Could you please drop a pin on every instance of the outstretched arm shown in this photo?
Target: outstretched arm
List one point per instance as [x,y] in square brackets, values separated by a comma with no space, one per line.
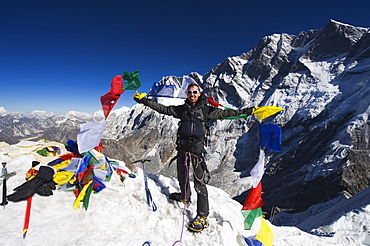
[217,113]
[160,108]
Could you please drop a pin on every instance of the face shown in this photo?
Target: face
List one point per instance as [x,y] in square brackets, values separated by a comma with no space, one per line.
[192,97]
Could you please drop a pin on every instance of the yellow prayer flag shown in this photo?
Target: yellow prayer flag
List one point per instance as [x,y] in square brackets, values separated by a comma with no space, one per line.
[62,177]
[265,234]
[81,195]
[61,165]
[265,111]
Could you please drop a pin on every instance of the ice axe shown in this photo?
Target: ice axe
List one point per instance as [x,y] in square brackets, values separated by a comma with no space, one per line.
[4,177]
[149,198]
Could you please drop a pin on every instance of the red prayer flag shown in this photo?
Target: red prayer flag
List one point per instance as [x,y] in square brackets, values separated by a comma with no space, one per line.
[110,99]
[213,103]
[68,156]
[117,85]
[254,199]
[100,147]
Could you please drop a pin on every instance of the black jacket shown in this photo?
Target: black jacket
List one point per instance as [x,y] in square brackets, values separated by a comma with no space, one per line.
[193,119]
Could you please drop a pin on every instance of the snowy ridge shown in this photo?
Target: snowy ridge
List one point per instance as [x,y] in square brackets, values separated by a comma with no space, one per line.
[324,89]
[119,215]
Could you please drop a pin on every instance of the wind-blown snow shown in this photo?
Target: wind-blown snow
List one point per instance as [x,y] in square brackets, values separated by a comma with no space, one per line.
[119,215]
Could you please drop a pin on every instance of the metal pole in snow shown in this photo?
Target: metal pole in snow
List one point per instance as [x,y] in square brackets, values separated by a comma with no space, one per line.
[149,199]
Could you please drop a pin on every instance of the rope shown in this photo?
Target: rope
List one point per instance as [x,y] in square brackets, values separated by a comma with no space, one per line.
[195,162]
[183,210]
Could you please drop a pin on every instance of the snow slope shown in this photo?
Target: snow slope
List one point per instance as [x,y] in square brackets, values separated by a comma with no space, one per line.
[119,215]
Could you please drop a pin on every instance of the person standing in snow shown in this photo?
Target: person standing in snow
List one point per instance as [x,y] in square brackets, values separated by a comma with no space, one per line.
[191,138]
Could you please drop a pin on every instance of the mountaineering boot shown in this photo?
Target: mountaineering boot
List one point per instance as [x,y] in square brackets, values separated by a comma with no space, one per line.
[179,197]
[198,224]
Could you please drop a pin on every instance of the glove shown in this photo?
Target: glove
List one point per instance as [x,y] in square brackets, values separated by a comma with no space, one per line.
[140,97]
[46,189]
[248,111]
[29,188]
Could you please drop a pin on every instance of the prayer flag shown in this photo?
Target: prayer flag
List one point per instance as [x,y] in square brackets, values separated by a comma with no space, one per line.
[110,99]
[162,91]
[132,80]
[116,85]
[252,241]
[250,216]
[258,169]
[242,116]
[90,135]
[217,105]
[270,136]
[265,234]
[265,111]
[81,195]
[213,103]
[254,199]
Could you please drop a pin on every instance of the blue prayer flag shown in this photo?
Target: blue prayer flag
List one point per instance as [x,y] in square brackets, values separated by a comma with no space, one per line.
[162,91]
[270,136]
[251,241]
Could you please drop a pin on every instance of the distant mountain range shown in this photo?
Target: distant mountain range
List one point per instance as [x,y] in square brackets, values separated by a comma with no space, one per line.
[321,79]
[16,126]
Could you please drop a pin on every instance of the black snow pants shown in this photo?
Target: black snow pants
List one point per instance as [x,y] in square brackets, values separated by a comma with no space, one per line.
[185,161]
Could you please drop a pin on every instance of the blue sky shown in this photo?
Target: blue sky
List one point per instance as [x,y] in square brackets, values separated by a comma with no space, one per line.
[60,56]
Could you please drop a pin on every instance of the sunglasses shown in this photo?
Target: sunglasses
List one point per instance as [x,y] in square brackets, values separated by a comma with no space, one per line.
[193,92]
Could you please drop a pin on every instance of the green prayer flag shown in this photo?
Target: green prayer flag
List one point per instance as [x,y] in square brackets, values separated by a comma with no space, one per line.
[86,198]
[250,216]
[132,80]
[242,116]
[93,160]
[43,152]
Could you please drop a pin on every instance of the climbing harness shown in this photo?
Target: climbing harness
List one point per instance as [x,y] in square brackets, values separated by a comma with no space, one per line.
[195,161]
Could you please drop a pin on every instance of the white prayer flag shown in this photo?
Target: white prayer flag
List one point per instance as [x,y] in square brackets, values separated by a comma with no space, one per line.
[258,169]
[90,135]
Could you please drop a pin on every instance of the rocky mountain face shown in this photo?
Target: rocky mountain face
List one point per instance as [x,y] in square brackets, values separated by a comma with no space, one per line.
[321,79]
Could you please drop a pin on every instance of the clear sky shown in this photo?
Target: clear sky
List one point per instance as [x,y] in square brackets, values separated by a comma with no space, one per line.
[61,55]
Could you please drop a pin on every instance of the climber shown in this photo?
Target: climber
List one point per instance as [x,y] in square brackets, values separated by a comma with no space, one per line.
[191,137]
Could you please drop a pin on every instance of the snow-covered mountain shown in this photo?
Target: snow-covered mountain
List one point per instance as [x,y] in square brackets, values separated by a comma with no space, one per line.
[17,126]
[321,79]
[119,215]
